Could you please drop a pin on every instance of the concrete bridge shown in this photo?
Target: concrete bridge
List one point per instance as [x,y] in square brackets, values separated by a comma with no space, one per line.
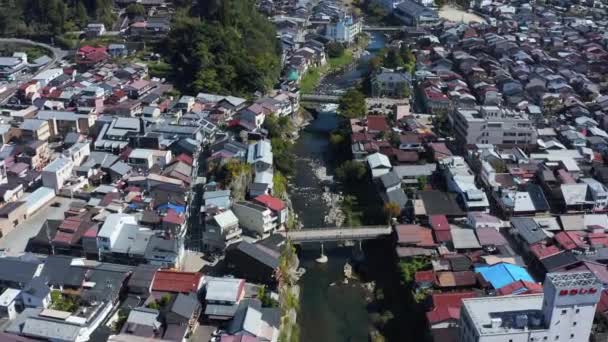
[382,28]
[333,234]
[320,98]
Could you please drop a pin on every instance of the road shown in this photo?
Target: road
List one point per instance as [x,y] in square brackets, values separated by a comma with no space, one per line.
[58,54]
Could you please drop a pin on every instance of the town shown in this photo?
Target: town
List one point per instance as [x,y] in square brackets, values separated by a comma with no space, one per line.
[303,170]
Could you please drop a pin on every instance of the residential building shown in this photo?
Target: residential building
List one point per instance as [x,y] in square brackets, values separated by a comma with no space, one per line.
[11,215]
[391,83]
[222,297]
[11,67]
[412,13]
[564,311]
[255,218]
[221,231]
[343,29]
[493,125]
[57,173]
[461,180]
[35,129]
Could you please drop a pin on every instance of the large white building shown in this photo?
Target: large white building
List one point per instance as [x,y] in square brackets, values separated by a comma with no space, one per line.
[492,125]
[563,312]
[343,29]
[56,173]
[255,218]
[461,180]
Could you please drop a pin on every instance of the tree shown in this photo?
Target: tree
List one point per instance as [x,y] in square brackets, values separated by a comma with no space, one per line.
[135,10]
[352,104]
[393,59]
[392,210]
[230,49]
[351,172]
[422,182]
[334,49]
[439,3]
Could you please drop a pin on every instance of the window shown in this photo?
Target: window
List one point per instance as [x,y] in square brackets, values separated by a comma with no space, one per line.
[564,311]
[556,337]
[545,338]
[578,310]
[573,324]
[571,336]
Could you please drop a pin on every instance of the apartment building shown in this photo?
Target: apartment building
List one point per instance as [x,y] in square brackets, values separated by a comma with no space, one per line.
[255,218]
[492,125]
[344,29]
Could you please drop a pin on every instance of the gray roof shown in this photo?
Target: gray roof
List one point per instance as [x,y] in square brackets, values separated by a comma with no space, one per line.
[414,170]
[58,272]
[223,289]
[415,9]
[185,305]
[220,310]
[144,316]
[50,329]
[260,253]
[37,287]
[121,168]
[142,276]
[464,238]
[528,229]
[397,196]
[18,270]
[390,179]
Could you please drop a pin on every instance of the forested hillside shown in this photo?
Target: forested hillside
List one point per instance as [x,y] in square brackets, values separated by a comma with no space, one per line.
[45,18]
[224,47]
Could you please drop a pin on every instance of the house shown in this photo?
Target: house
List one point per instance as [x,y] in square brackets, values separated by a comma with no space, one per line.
[461,180]
[390,83]
[252,320]
[176,281]
[36,294]
[464,239]
[222,297]
[89,56]
[379,164]
[445,314]
[95,30]
[276,205]
[255,218]
[221,231]
[57,173]
[256,262]
[412,13]
[11,215]
[35,129]
[503,274]
[8,303]
[411,174]
[143,322]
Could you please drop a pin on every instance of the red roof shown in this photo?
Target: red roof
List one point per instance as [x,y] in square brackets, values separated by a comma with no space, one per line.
[569,240]
[175,281]
[185,158]
[270,202]
[413,234]
[424,276]
[602,306]
[439,222]
[377,123]
[443,236]
[541,251]
[173,217]
[447,306]
[520,287]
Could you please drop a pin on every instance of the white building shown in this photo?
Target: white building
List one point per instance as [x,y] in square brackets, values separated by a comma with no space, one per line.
[56,173]
[109,233]
[255,218]
[221,231]
[78,152]
[598,191]
[564,312]
[461,180]
[8,301]
[492,125]
[344,29]
[47,76]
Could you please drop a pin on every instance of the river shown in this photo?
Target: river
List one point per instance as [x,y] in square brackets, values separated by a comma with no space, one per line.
[330,310]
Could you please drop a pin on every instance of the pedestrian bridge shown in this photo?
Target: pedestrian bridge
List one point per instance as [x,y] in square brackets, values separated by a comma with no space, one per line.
[337,234]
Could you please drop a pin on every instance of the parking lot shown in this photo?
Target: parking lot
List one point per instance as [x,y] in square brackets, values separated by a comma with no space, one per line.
[16,241]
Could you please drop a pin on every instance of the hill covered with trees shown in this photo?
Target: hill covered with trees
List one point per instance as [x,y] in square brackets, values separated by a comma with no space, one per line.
[50,18]
[223,46]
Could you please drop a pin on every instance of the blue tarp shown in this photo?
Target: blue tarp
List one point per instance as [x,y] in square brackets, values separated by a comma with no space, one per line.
[503,274]
[178,208]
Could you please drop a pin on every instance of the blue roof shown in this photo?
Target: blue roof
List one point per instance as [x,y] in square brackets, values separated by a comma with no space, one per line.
[503,274]
[178,208]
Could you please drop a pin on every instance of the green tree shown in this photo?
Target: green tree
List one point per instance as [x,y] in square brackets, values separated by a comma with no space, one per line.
[135,10]
[351,172]
[393,59]
[352,104]
[422,182]
[334,49]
